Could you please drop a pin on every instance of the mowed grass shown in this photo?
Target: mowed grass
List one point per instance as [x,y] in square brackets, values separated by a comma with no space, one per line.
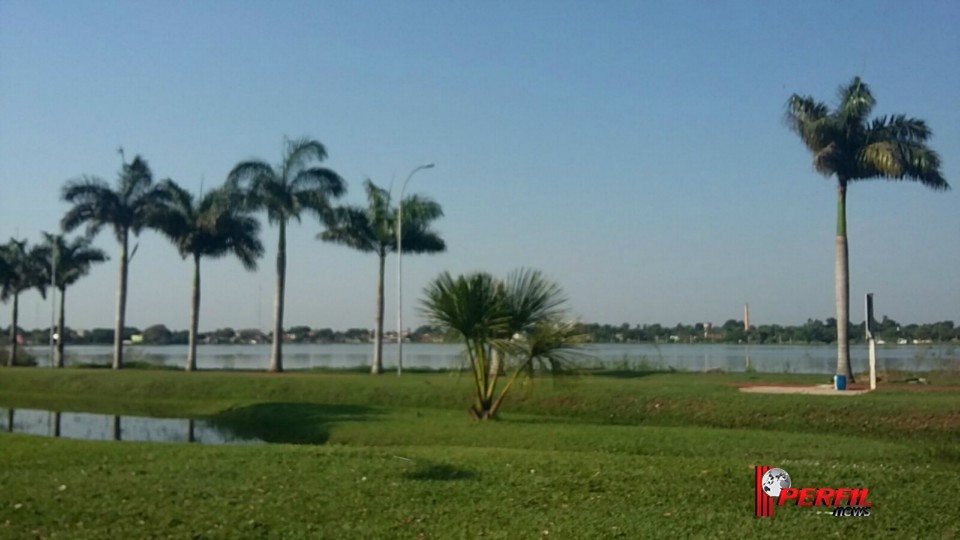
[658,455]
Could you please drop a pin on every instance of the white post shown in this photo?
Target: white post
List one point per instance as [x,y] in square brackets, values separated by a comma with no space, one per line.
[871,342]
[400,282]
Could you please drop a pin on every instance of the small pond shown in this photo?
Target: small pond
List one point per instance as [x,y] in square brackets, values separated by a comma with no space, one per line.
[107,427]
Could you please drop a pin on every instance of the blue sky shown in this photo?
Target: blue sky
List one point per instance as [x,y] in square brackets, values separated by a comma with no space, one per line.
[634,151]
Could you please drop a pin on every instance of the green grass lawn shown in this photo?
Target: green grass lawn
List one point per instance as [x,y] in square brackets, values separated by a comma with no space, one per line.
[649,455]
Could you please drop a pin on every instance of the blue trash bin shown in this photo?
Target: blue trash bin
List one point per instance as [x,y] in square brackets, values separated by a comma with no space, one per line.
[840,382]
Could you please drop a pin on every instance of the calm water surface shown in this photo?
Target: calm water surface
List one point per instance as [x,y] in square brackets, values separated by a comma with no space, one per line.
[701,357]
[104,427]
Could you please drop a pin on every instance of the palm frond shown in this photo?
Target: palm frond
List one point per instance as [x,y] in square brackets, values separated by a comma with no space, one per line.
[230,233]
[176,219]
[317,201]
[351,227]
[418,237]
[380,215]
[6,274]
[418,208]
[214,226]
[319,179]
[901,161]
[25,268]
[531,298]
[811,121]
[147,208]
[299,154]
[277,199]
[418,241]
[179,198]
[471,306]
[552,344]
[898,127]
[13,254]
[856,102]
[135,178]
[247,179]
[94,203]
[73,259]
[244,239]
[37,271]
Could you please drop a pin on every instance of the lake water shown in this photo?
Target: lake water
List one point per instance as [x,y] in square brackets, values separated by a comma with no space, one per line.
[102,427]
[688,357]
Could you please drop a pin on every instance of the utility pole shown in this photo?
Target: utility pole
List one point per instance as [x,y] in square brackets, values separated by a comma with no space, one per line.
[54,336]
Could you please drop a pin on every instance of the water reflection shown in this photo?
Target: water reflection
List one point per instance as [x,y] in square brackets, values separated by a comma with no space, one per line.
[103,427]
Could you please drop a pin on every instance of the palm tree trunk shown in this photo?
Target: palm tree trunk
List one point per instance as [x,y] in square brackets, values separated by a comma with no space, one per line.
[503,393]
[121,303]
[61,326]
[194,315]
[13,329]
[377,366]
[276,356]
[842,283]
[495,366]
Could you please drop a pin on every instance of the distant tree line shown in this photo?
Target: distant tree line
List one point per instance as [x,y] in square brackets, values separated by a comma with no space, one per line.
[159,334]
[733,331]
[814,331]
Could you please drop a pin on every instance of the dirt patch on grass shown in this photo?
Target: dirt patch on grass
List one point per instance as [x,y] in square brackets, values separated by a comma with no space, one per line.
[857,388]
[818,390]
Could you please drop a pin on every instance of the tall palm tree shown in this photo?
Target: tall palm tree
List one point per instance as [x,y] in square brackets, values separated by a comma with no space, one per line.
[373,230]
[520,320]
[71,261]
[285,191]
[213,226]
[128,209]
[848,145]
[24,269]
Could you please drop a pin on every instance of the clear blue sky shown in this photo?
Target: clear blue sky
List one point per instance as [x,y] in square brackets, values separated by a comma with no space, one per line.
[635,151]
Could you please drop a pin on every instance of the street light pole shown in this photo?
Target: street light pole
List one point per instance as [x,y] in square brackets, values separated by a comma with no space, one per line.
[53,304]
[399,228]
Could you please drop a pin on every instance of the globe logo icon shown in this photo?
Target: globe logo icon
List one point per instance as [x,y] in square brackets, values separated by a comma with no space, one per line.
[774,480]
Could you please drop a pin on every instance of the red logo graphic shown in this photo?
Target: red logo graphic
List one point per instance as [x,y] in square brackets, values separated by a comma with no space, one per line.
[774,482]
[764,502]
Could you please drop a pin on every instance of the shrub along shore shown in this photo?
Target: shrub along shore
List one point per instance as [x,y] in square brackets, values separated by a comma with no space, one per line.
[634,455]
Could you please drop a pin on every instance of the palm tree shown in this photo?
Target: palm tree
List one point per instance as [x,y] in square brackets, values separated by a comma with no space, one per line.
[128,208]
[846,144]
[373,230]
[286,191]
[71,261]
[23,269]
[520,320]
[214,226]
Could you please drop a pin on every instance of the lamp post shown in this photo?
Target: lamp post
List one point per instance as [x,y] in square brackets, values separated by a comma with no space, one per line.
[53,304]
[400,267]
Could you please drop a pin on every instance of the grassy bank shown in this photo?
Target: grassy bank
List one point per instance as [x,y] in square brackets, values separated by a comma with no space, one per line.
[649,455]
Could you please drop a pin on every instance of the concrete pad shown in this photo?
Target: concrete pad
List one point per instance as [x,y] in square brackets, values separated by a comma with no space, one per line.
[818,390]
